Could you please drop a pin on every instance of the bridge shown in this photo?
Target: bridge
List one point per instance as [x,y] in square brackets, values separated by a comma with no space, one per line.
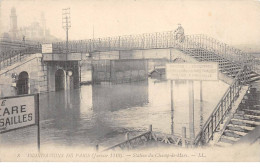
[194,47]
[30,71]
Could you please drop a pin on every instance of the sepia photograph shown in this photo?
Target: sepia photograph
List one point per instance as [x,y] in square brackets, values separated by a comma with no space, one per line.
[129,81]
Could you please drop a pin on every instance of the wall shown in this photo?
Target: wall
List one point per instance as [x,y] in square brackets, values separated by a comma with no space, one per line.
[41,75]
[141,54]
[105,55]
[119,71]
[53,66]
[129,70]
[35,69]
[101,71]
[63,57]
[154,55]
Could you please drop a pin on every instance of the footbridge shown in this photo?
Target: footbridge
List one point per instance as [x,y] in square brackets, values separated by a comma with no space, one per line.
[237,68]
[199,47]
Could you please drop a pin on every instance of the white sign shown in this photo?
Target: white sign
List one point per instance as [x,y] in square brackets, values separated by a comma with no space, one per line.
[192,71]
[17,112]
[46,48]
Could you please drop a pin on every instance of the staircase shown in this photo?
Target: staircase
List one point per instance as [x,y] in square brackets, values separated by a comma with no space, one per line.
[245,119]
[244,70]
[11,57]
[226,66]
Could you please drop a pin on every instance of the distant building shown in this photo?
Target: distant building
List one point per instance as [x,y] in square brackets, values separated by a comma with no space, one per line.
[36,31]
[13,23]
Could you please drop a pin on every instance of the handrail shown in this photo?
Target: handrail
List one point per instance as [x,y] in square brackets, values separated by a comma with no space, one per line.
[222,108]
[150,135]
[1,73]
[146,134]
[160,40]
[226,51]
[11,57]
[163,40]
[27,41]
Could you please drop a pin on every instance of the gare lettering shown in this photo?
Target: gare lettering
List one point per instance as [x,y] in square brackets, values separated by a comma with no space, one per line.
[17,112]
[3,103]
[12,120]
[8,115]
[14,110]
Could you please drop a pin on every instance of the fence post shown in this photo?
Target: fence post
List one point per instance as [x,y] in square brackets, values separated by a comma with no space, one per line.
[212,126]
[10,58]
[230,96]
[151,128]
[127,139]
[97,147]
[221,111]
[156,40]
[234,92]
[127,136]
[203,138]
[183,136]
[119,43]
[1,59]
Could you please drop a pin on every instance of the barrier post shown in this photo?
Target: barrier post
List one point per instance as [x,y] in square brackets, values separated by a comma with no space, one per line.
[151,128]
[37,109]
[183,136]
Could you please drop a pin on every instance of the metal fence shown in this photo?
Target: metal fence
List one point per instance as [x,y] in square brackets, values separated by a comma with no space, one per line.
[159,41]
[11,57]
[222,108]
[149,136]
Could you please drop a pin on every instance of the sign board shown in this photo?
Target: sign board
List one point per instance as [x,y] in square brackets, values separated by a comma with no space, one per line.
[192,71]
[17,112]
[46,48]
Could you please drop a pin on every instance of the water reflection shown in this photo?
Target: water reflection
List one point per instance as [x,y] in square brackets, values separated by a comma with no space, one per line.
[63,107]
[115,97]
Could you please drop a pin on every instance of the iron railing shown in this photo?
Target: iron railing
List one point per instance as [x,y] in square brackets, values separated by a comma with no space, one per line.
[145,138]
[159,41]
[208,48]
[223,50]
[16,41]
[7,45]
[11,57]
[222,108]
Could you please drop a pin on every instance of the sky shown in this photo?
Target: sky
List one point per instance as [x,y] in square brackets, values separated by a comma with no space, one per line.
[235,22]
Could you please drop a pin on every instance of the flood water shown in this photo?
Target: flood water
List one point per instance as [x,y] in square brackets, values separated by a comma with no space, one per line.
[102,114]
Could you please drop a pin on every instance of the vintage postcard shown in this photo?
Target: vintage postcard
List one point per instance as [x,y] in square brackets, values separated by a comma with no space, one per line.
[132,80]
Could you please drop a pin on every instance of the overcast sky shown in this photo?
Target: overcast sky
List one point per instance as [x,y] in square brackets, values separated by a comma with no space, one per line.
[236,22]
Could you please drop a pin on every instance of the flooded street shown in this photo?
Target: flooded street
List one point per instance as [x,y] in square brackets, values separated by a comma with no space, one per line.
[102,114]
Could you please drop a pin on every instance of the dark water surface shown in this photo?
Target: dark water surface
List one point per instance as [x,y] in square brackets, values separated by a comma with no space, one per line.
[102,114]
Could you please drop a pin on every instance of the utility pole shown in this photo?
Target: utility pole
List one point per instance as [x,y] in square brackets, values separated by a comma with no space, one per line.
[66,24]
